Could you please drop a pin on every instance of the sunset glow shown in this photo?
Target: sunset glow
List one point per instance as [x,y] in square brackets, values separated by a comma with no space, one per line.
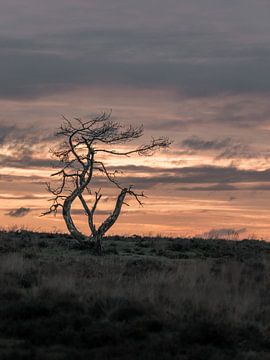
[201,80]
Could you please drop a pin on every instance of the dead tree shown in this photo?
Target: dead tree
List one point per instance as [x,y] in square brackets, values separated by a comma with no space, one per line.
[79,158]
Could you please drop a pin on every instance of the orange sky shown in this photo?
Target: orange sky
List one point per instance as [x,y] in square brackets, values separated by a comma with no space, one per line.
[191,188]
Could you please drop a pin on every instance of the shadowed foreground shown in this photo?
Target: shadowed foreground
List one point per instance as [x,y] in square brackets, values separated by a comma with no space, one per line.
[147,298]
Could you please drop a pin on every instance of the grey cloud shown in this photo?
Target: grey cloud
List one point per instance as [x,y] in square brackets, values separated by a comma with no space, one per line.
[97,212]
[226,187]
[27,161]
[34,179]
[242,113]
[237,112]
[231,149]
[138,169]
[259,187]
[21,141]
[198,178]
[238,151]
[11,135]
[219,16]
[20,197]
[197,143]
[168,125]
[201,174]
[224,177]
[215,174]
[196,63]
[242,151]
[135,43]
[217,187]
[33,76]
[20,212]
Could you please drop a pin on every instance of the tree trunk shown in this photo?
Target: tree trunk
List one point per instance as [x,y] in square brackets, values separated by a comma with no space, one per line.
[69,222]
[108,223]
[97,239]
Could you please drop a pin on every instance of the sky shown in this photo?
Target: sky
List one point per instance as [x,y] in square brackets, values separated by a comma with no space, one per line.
[197,71]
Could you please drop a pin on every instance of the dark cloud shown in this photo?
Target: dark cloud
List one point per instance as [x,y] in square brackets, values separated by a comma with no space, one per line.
[242,113]
[231,149]
[20,212]
[217,178]
[21,160]
[36,75]
[196,63]
[216,174]
[196,143]
[168,125]
[14,136]
[201,174]
[19,197]
[242,151]
[25,143]
[34,179]
[217,187]
[97,212]
[207,178]
[258,187]
[9,133]
[227,187]
[225,50]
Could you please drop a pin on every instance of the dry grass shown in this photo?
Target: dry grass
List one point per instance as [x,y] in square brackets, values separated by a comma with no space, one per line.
[60,303]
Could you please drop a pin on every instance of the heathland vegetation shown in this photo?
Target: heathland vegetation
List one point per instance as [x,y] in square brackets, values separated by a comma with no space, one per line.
[146,298]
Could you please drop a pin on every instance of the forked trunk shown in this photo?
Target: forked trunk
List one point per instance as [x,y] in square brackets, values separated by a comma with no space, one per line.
[94,241]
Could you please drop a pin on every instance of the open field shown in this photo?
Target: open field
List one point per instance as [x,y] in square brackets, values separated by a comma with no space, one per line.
[146,298]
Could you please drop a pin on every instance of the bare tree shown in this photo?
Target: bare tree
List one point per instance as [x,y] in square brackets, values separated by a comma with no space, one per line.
[81,155]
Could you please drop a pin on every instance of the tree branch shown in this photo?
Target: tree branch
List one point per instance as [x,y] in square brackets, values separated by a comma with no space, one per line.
[83,140]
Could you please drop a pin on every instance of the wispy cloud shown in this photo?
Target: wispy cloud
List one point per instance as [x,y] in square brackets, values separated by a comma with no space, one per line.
[20,212]
[196,143]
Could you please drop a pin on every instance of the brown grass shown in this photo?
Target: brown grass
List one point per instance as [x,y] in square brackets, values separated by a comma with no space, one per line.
[61,303]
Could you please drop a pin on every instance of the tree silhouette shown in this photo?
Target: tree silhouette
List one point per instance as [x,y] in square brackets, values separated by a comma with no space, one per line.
[81,155]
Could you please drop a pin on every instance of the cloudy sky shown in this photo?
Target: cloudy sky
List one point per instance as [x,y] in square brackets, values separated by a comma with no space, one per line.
[197,71]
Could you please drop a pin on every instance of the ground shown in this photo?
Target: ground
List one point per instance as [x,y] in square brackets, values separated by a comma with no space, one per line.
[146,298]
